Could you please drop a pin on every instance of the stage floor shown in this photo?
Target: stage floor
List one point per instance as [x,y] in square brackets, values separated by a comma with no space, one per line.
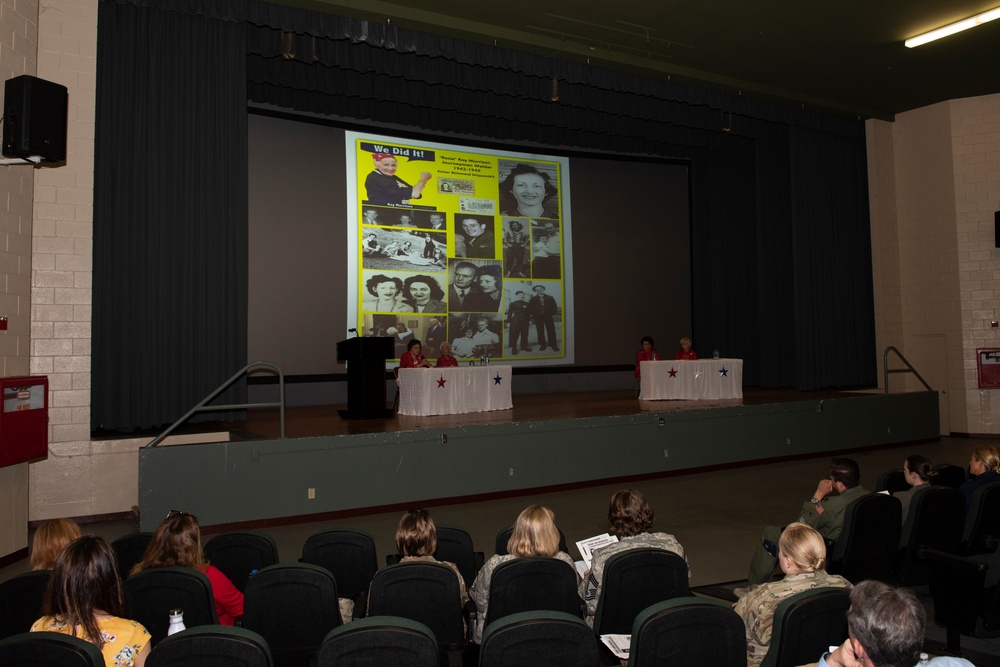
[303,422]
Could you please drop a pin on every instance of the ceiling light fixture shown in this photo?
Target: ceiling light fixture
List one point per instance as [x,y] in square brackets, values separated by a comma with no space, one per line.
[959,26]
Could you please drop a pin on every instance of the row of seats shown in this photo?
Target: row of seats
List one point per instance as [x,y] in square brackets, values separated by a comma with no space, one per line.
[681,632]
[942,543]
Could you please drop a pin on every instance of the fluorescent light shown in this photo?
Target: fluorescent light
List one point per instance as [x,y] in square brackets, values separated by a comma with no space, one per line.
[964,24]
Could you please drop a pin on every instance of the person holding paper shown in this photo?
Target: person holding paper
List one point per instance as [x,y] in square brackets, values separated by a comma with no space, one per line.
[535,534]
[631,520]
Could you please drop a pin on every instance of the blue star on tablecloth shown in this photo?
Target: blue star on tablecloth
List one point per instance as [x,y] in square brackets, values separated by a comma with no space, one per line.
[497,379]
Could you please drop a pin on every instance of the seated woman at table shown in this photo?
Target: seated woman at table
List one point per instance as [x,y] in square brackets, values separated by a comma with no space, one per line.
[413,357]
[447,358]
[686,353]
[646,352]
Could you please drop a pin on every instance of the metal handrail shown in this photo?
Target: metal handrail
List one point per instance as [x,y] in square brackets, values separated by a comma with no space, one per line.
[203,406]
[909,369]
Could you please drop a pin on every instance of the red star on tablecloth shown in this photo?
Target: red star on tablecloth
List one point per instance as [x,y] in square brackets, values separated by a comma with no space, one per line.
[441,382]
[673,373]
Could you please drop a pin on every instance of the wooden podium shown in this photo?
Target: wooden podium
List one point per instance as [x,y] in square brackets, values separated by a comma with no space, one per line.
[365,359]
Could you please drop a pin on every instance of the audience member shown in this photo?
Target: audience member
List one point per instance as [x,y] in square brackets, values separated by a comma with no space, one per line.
[177,543]
[686,353]
[535,534]
[49,541]
[802,557]
[984,467]
[885,628]
[416,540]
[824,512]
[84,599]
[918,471]
[631,520]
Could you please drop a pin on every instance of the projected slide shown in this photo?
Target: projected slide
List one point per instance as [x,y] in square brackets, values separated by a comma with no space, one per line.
[463,246]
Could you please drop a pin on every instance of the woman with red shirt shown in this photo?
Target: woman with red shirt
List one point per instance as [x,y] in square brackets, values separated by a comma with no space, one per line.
[413,357]
[447,358]
[686,353]
[177,543]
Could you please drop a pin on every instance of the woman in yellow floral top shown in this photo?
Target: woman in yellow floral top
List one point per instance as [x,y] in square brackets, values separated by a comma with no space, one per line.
[84,599]
[802,556]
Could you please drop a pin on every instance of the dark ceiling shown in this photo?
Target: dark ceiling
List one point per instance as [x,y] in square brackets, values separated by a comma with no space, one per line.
[847,57]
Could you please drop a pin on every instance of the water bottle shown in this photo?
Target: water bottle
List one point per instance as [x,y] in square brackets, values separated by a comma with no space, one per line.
[715,353]
[654,356]
[176,621]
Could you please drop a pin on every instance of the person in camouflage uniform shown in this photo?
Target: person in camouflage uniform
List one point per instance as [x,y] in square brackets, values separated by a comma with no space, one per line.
[631,520]
[824,512]
[535,534]
[802,557]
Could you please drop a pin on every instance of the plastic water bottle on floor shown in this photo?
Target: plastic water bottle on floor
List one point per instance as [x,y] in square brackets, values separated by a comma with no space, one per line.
[176,621]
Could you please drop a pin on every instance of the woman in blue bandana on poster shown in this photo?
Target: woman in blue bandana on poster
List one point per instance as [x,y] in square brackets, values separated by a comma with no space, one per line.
[386,189]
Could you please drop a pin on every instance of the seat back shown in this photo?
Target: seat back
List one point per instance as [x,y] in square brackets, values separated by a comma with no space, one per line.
[21,601]
[152,593]
[805,624]
[934,522]
[379,640]
[427,593]
[533,584]
[455,546]
[688,632]
[48,649]
[503,537]
[892,481]
[129,550]
[869,542]
[239,553]
[539,639]
[293,606]
[636,579]
[348,554]
[982,520]
[211,646]
[950,475]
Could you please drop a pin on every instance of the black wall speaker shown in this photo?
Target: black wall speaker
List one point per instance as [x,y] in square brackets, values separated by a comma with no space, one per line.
[34,120]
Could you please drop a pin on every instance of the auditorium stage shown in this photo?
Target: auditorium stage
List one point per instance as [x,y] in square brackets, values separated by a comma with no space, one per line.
[311,421]
[327,466]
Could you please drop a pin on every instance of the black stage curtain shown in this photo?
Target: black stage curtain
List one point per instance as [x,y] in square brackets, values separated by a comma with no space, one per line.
[780,233]
[170,215]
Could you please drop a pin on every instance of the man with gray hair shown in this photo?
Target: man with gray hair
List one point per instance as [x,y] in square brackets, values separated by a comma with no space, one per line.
[885,628]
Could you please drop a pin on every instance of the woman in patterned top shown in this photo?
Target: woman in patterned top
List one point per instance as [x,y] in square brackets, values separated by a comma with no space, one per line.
[802,556]
[84,599]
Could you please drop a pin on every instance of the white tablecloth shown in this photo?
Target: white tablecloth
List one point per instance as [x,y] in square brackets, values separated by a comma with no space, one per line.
[691,380]
[456,390]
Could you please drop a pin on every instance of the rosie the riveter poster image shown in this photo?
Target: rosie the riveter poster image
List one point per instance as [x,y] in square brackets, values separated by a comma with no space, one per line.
[460,247]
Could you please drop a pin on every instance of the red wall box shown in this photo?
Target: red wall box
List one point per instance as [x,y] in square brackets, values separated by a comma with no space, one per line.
[988,364]
[24,420]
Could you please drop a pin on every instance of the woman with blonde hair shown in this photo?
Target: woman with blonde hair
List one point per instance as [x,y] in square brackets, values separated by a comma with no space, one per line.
[84,599]
[535,534]
[984,467]
[49,541]
[177,543]
[802,556]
